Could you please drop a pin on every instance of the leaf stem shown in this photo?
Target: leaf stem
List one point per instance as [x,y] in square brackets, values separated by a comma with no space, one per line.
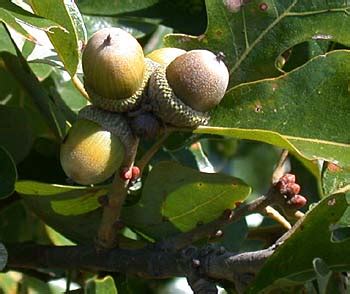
[80,87]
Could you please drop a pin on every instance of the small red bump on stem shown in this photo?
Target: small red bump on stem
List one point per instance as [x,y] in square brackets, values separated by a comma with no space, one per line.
[126,174]
[263,6]
[298,201]
[290,178]
[135,173]
[294,189]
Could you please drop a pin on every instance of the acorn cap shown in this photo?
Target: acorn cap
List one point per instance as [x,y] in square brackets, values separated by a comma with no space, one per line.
[167,106]
[164,56]
[127,104]
[199,78]
[113,64]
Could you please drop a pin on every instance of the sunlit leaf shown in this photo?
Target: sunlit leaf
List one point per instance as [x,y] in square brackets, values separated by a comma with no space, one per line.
[177,198]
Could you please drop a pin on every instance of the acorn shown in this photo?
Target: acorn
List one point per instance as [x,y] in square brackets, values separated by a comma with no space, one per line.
[96,146]
[165,55]
[182,93]
[115,70]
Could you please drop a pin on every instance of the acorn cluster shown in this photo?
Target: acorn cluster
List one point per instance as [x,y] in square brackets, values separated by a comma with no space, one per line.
[135,96]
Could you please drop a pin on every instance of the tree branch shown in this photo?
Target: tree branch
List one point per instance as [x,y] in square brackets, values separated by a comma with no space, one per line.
[202,266]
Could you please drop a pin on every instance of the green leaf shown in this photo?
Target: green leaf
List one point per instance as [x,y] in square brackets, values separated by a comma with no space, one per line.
[101,286]
[72,211]
[8,173]
[78,22]
[17,224]
[15,132]
[5,41]
[182,15]
[106,7]
[288,111]
[177,198]
[56,238]
[45,104]
[11,281]
[253,34]
[334,178]
[18,19]
[311,238]
[65,42]
[138,27]
[64,200]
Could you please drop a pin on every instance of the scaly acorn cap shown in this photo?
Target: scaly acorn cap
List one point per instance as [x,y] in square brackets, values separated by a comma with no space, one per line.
[96,146]
[199,78]
[168,107]
[127,104]
[113,66]
[165,55]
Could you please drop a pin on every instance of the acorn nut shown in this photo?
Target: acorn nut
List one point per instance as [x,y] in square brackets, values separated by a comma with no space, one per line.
[115,70]
[165,55]
[95,146]
[192,84]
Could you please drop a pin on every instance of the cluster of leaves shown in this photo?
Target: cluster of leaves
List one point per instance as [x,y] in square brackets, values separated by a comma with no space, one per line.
[289,87]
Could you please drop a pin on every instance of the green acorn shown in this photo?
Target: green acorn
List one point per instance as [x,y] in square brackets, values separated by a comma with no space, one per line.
[166,55]
[96,146]
[115,70]
[192,84]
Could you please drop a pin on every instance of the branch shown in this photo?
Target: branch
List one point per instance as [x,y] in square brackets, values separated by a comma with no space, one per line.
[200,265]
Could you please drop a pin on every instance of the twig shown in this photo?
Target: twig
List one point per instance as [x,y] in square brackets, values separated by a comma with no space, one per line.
[110,223]
[276,216]
[80,87]
[142,162]
[280,168]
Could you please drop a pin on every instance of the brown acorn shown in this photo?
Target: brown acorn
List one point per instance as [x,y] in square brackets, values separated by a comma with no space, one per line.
[192,84]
